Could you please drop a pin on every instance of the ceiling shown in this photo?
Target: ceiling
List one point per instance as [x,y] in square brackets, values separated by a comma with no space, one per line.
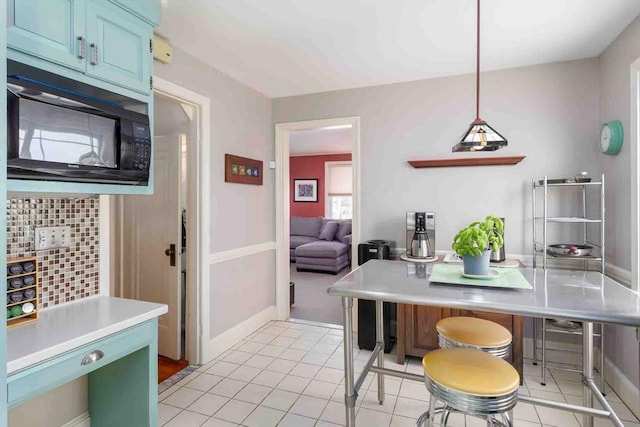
[320,141]
[283,48]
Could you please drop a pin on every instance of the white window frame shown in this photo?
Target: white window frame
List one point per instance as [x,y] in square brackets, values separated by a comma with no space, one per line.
[327,165]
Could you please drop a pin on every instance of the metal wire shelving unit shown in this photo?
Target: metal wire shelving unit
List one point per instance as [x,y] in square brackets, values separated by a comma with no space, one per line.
[541,250]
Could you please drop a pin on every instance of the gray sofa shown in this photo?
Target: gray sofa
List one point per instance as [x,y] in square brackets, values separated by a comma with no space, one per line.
[316,245]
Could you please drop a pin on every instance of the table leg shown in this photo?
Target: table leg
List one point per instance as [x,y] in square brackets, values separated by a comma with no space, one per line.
[349,386]
[535,341]
[587,370]
[380,342]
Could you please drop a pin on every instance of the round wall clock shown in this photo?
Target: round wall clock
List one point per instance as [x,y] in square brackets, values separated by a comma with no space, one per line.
[611,136]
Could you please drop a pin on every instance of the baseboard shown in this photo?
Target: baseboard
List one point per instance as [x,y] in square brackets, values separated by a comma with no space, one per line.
[223,342]
[565,352]
[82,420]
[628,392]
[624,388]
[617,273]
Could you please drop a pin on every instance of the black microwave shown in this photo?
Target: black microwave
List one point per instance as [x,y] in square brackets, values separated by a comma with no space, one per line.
[57,134]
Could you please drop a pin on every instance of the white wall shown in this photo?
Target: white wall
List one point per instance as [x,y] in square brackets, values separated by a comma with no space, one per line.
[615,62]
[241,215]
[548,113]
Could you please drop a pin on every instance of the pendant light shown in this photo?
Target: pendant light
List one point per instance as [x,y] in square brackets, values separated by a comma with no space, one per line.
[480,136]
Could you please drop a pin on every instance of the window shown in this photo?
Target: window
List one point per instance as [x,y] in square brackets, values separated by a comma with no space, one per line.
[338,184]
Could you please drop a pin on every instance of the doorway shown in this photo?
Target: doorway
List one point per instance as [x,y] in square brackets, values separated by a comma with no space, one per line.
[320,221]
[284,190]
[157,244]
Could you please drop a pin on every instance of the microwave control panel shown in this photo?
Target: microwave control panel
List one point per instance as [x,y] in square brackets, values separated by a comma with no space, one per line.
[142,147]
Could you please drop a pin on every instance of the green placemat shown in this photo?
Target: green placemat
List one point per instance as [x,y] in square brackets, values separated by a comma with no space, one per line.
[508,278]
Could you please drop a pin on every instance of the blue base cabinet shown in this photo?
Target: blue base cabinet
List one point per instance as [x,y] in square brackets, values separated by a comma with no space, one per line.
[123,379]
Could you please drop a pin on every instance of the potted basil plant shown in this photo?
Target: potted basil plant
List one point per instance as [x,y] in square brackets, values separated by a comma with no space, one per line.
[475,242]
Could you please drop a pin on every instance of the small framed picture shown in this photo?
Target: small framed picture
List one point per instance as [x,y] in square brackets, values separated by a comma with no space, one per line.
[242,170]
[305,190]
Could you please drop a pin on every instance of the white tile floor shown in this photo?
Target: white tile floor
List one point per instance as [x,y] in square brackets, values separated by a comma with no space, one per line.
[290,375]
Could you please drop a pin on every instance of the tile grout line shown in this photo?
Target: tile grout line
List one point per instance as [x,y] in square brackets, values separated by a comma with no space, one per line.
[329,358]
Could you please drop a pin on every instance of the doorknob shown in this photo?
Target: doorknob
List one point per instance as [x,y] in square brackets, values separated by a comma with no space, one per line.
[171,253]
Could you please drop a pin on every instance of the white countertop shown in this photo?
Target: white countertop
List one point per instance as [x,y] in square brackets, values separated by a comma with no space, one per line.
[61,329]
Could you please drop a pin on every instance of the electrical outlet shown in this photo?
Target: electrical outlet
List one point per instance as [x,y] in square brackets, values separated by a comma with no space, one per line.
[52,238]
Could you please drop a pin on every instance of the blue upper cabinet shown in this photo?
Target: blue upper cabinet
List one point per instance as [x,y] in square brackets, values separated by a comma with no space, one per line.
[98,42]
[53,30]
[144,9]
[119,46]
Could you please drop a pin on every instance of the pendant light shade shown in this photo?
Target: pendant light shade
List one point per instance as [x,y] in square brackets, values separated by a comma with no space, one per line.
[480,136]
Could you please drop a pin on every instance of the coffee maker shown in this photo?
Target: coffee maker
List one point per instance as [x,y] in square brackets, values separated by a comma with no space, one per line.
[421,235]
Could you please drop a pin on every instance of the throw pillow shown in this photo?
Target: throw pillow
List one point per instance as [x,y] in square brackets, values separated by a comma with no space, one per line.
[328,231]
[343,230]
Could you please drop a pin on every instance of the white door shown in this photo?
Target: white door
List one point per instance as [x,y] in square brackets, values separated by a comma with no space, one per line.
[155,227]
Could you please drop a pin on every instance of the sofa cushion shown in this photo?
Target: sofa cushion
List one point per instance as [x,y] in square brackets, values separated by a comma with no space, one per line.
[343,230]
[322,249]
[305,226]
[295,241]
[328,230]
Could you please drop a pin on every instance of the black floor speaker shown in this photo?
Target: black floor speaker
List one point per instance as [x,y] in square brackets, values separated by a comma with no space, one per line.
[375,249]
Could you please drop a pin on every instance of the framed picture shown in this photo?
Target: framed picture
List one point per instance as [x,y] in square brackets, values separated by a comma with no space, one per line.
[242,170]
[305,190]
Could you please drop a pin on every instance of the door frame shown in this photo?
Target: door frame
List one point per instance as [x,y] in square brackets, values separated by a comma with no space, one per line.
[634,143]
[282,135]
[327,165]
[198,218]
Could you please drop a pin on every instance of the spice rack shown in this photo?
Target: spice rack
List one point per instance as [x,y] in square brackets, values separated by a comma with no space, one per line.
[26,284]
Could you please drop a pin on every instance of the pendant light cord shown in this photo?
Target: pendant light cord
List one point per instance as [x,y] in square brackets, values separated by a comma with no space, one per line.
[478,61]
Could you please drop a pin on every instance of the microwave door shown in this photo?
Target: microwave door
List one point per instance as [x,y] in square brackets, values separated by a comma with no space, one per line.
[25,147]
[54,134]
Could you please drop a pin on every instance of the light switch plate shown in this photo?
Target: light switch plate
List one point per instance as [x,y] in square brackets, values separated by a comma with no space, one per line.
[52,238]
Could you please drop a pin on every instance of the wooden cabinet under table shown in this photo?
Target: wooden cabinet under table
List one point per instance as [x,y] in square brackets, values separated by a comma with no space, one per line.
[416,330]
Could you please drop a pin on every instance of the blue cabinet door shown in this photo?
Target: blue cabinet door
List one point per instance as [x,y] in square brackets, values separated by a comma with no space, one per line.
[119,46]
[48,29]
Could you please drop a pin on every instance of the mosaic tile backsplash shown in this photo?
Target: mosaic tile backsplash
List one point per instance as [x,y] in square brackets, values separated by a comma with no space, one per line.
[65,274]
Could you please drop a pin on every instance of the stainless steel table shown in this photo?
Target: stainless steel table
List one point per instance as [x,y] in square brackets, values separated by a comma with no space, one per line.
[563,294]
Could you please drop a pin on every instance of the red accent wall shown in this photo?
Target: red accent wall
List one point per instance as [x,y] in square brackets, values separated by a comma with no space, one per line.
[310,167]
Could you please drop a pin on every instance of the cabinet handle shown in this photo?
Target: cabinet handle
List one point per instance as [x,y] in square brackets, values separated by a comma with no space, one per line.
[94,55]
[92,357]
[82,53]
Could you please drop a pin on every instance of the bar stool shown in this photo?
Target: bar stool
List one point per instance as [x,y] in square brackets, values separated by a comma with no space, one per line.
[471,332]
[470,381]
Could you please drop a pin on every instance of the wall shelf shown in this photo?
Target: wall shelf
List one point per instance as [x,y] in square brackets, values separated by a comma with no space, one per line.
[467,161]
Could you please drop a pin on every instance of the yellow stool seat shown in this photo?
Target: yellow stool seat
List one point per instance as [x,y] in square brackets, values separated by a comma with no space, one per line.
[474,331]
[471,371]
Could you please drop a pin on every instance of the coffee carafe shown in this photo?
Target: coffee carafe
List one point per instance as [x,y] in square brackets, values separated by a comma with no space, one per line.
[420,247]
